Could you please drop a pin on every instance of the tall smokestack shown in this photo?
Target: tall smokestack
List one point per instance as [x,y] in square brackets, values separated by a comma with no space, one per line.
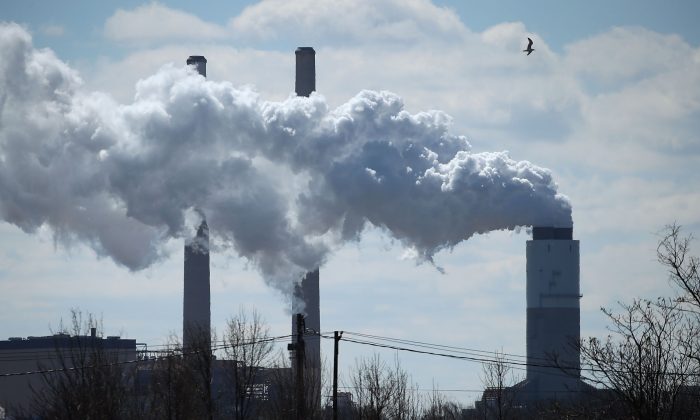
[196,314]
[196,308]
[199,62]
[306,295]
[553,314]
[305,82]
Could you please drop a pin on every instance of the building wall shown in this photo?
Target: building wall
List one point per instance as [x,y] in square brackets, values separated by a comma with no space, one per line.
[42,353]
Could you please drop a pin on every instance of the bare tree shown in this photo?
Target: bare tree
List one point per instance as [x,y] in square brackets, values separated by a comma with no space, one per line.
[179,381]
[198,358]
[88,381]
[168,385]
[673,252]
[651,359]
[498,380]
[646,361]
[283,397]
[249,349]
[383,391]
[438,407]
[282,402]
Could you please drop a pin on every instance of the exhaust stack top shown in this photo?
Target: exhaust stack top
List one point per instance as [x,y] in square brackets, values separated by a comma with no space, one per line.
[199,62]
[306,71]
[540,233]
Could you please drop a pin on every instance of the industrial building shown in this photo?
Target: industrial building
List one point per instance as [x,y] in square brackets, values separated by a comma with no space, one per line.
[24,357]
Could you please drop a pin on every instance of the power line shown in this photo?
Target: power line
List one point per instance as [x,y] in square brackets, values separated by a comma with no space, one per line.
[433,345]
[514,364]
[453,356]
[454,349]
[473,358]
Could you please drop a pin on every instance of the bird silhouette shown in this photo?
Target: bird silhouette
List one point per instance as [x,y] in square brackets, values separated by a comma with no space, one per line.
[529,48]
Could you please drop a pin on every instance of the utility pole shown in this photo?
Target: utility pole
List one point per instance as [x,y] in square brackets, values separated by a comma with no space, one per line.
[336,338]
[300,356]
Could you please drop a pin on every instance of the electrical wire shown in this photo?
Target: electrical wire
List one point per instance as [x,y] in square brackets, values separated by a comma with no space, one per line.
[518,365]
[452,349]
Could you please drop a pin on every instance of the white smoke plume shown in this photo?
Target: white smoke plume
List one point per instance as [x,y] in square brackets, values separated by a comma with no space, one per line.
[282,183]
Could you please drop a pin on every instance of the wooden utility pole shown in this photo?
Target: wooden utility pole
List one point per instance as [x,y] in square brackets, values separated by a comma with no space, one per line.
[336,338]
[300,356]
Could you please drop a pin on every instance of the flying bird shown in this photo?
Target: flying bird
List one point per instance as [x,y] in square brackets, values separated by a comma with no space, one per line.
[529,49]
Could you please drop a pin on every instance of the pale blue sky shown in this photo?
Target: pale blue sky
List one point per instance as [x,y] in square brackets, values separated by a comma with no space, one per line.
[610,102]
[559,22]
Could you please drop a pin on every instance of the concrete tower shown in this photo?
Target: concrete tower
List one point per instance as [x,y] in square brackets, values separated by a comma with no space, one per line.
[196,310]
[199,62]
[306,295]
[553,314]
[305,82]
[196,313]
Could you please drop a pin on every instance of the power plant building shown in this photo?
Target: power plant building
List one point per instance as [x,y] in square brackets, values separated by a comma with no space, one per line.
[22,358]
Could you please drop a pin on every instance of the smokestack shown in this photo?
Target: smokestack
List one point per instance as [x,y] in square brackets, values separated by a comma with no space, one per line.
[307,294]
[196,308]
[305,82]
[199,62]
[196,314]
[553,313]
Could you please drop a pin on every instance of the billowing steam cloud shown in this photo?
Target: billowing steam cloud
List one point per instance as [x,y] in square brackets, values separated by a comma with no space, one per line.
[282,183]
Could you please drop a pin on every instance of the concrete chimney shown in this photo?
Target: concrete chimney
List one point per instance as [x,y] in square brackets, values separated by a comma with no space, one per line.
[199,62]
[305,82]
[553,314]
[196,308]
[196,313]
[306,294]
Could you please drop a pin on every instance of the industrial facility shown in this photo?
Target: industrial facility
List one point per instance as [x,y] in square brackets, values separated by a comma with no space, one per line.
[552,295]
